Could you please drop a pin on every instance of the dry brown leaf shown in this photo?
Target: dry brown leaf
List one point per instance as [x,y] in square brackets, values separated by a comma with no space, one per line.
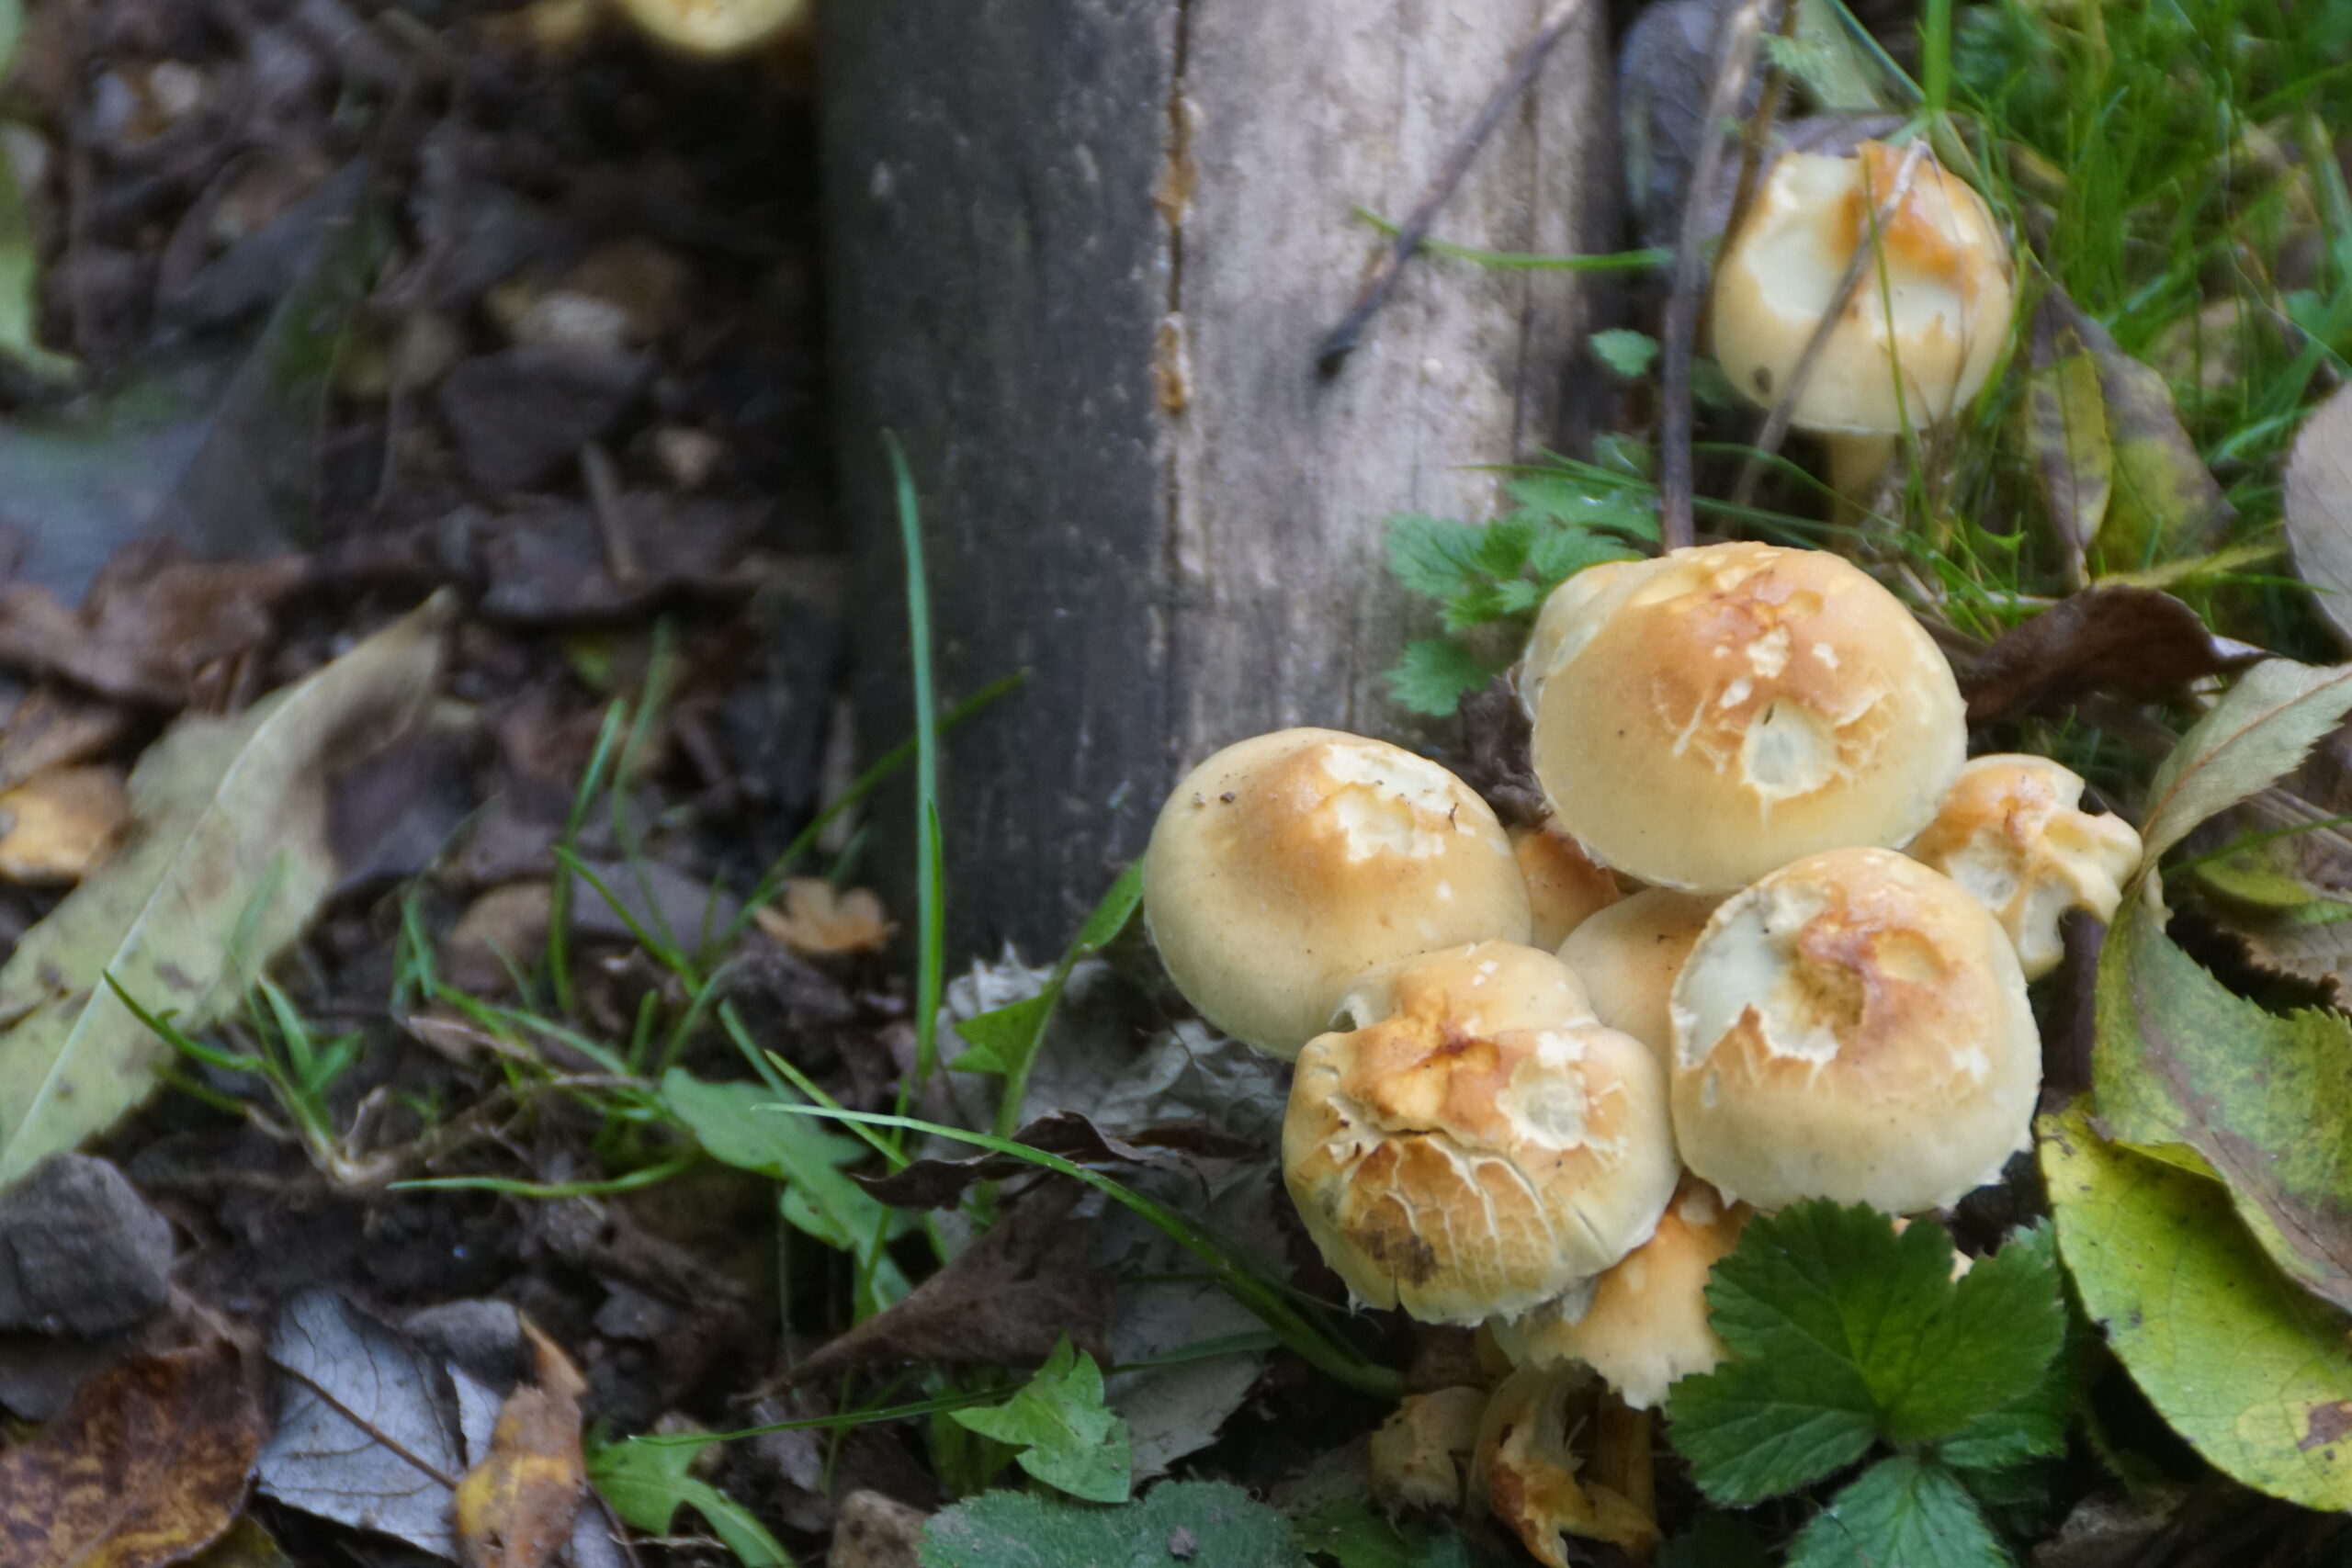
[515,1509]
[1527,1472]
[2319,508]
[2133,643]
[156,628]
[53,728]
[1420,1453]
[59,824]
[146,1467]
[819,921]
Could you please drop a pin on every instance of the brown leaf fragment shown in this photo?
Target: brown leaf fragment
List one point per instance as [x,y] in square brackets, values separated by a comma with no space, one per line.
[53,728]
[57,825]
[1005,1299]
[146,1467]
[157,629]
[819,921]
[2131,643]
[2318,505]
[515,1507]
[937,1183]
[1526,1469]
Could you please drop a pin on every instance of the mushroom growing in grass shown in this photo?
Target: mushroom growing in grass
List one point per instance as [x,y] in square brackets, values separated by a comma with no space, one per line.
[1284,867]
[1627,955]
[1853,1027]
[2012,832]
[1921,328]
[1472,1142]
[1643,1324]
[1707,716]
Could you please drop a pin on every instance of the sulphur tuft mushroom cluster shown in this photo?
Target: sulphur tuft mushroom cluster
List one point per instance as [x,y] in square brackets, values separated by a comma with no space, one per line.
[1771,943]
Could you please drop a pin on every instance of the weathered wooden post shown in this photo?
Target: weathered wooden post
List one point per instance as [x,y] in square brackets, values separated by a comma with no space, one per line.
[1082,253]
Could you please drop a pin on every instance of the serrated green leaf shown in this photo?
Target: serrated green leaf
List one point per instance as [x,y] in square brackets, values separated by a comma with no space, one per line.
[1435,673]
[1219,1524]
[1503,544]
[1842,1333]
[228,859]
[1067,1439]
[647,1483]
[1628,353]
[1585,501]
[2254,1374]
[1433,556]
[1563,552]
[1900,1511]
[2264,1101]
[2260,730]
[1478,605]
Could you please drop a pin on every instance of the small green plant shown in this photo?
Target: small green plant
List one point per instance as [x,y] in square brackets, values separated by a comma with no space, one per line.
[1064,1435]
[1488,578]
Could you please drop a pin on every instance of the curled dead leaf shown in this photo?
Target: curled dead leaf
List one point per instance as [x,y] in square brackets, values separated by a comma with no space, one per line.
[61,823]
[517,1506]
[1527,1472]
[147,1466]
[2131,643]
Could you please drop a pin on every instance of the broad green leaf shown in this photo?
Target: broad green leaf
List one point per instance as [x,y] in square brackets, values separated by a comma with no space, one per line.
[2263,1099]
[1900,1511]
[228,862]
[1434,557]
[2065,431]
[2259,731]
[2254,1374]
[1843,1332]
[1220,1526]
[1000,1037]
[2165,502]
[1435,673]
[735,1124]
[1067,1439]
[1628,353]
[647,1483]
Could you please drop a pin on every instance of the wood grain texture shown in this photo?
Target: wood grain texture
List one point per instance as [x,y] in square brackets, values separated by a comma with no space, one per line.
[1082,252]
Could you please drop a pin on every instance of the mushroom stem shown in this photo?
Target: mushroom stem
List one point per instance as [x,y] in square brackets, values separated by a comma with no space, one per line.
[1856,466]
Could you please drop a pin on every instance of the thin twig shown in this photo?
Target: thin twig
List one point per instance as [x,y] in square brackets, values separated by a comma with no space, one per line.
[1382,279]
[1776,424]
[1757,135]
[1743,34]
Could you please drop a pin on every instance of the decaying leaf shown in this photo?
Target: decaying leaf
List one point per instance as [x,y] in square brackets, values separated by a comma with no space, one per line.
[2259,730]
[57,825]
[1420,1453]
[229,863]
[1527,1472]
[2066,430]
[2319,508]
[52,728]
[2265,1100]
[2131,643]
[819,920]
[146,1467]
[516,1508]
[154,627]
[2254,1372]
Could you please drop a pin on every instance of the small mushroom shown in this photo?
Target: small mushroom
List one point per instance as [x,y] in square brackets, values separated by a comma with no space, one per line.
[1474,1142]
[1627,955]
[1530,1475]
[1564,887]
[1707,716]
[1921,332]
[1853,1027]
[1644,1323]
[2011,832]
[719,29]
[1286,866]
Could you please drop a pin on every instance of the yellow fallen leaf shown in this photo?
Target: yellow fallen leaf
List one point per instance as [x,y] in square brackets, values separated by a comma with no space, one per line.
[60,823]
[515,1508]
[820,921]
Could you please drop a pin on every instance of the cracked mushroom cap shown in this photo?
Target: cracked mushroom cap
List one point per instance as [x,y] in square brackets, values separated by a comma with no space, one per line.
[1627,955]
[1474,1142]
[1286,866]
[1940,310]
[2011,831]
[1564,887]
[1723,710]
[1853,1027]
[1644,1323]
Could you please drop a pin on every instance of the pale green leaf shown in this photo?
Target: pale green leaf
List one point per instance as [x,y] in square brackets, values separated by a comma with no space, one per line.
[1067,1439]
[997,1040]
[1218,1524]
[647,1483]
[1900,1511]
[228,862]
[735,1125]
[2265,1100]
[2259,731]
[21,283]
[1628,353]
[2254,1374]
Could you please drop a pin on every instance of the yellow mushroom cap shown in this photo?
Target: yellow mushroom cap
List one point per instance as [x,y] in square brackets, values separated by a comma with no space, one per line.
[2011,831]
[1644,1324]
[1723,710]
[1939,308]
[1284,867]
[717,28]
[1627,955]
[1474,1142]
[1853,1027]
[1564,887]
